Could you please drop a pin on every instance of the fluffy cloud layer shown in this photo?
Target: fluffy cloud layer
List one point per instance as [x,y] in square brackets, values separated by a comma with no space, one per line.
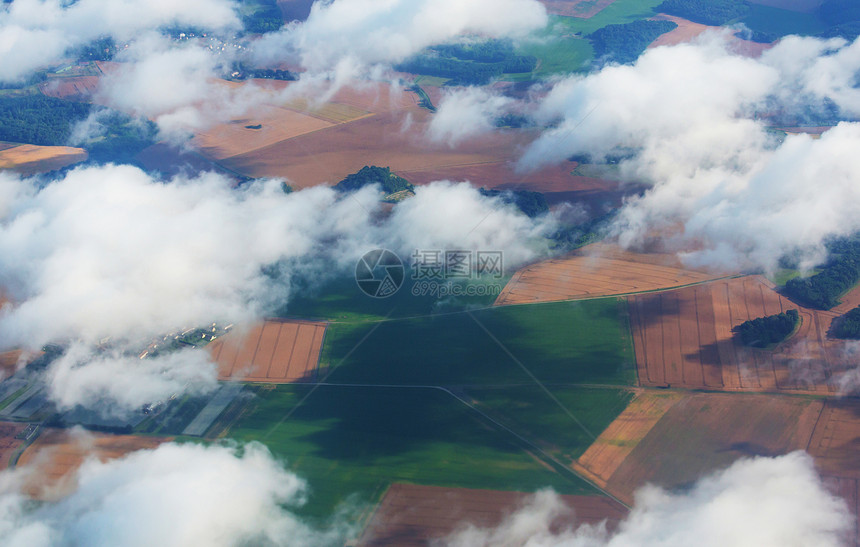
[111,252]
[690,115]
[34,33]
[763,502]
[466,113]
[175,495]
[346,36]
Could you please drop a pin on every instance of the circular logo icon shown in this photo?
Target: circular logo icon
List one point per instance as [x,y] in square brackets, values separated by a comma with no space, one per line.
[379,273]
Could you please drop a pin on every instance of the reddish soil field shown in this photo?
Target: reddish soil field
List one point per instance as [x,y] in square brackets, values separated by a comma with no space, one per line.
[75,88]
[612,447]
[8,442]
[275,351]
[683,338]
[56,454]
[575,8]
[705,432]
[412,515]
[597,270]
[29,159]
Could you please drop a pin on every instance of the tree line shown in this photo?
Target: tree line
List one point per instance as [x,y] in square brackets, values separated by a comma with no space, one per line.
[836,277]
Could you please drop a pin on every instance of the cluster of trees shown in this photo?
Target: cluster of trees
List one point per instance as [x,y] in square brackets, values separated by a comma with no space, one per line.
[246,72]
[121,138]
[570,237]
[261,16]
[424,99]
[624,43]
[469,64]
[766,331]
[532,204]
[101,49]
[847,326]
[46,121]
[707,12]
[839,274]
[37,119]
[372,174]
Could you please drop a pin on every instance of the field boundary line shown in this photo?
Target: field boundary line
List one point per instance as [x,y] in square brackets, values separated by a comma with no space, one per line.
[532,376]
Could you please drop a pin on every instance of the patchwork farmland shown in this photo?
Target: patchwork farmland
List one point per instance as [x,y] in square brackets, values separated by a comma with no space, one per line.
[683,338]
[276,351]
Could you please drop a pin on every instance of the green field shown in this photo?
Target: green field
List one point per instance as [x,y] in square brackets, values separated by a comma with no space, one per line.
[532,414]
[565,342]
[556,53]
[618,12]
[350,443]
[440,400]
[341,300]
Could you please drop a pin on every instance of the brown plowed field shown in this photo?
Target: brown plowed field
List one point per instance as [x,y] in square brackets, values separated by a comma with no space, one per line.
[29,159]
[705,432]
[849,490]
[848,302]
[597,270]
[611,448]
[683,338]
[836,440]
[8,442]
[575,8]
[413,515]
[275,351]
[76,87]
[57,454]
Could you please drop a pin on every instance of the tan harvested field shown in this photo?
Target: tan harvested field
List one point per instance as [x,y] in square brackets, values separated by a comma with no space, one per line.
[683,338]
[575,8]
[597,270]
[278,124]
[705,432]
[6,146]
[8,443]
[277,351]
[327,156]
[29,159]
[617,441]
[412,515]
[57,453]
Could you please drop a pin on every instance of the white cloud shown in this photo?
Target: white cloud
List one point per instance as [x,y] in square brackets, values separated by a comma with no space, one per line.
[344,37]
[466,113]
[114,382]
[111,252]
[687,116]
[174,495]
[34,33]
[761,502]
